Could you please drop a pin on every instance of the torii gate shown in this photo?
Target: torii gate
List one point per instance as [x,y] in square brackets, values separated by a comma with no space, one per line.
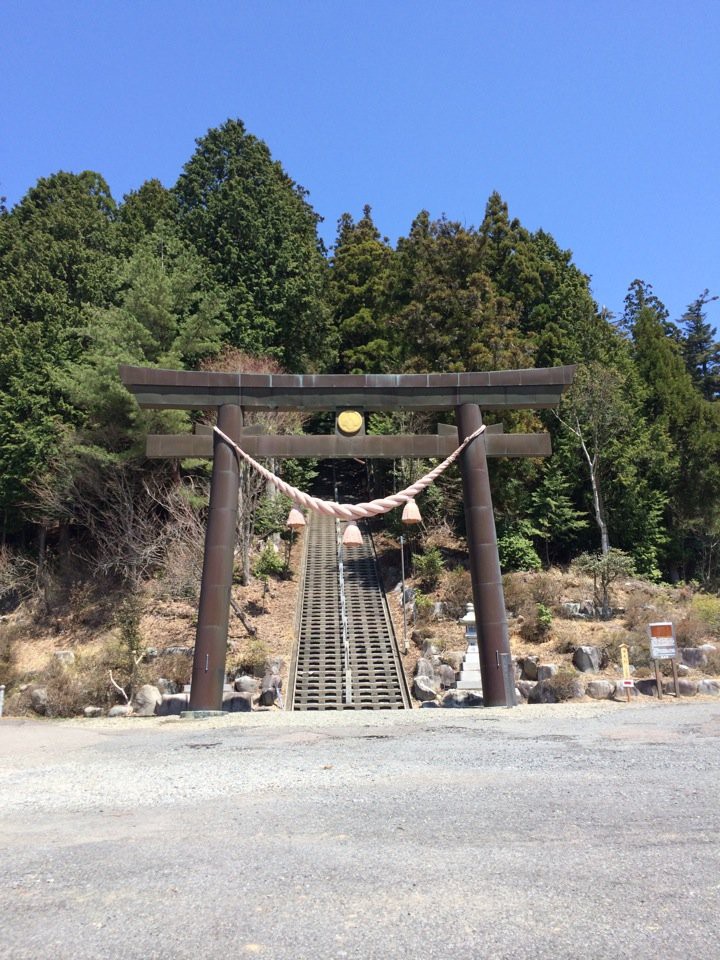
[465,393]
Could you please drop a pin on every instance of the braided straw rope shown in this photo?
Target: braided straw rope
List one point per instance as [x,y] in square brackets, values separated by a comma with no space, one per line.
[351,511]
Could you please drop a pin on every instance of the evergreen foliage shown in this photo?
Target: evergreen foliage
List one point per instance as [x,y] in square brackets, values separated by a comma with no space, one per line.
[229,260]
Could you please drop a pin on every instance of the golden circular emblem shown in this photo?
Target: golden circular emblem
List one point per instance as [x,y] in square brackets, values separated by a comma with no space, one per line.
[349,422]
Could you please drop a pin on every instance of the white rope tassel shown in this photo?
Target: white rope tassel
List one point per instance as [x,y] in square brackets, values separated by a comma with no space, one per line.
[351,511]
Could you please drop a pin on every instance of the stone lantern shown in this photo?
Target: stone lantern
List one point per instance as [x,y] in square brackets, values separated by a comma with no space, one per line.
[469,676]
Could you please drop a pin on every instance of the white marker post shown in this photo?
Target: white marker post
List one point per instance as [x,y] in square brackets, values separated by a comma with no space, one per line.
[627,678]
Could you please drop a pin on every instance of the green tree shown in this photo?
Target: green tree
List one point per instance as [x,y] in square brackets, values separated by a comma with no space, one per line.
[603,413]
[358,295]
[693,426]
[553,515]
[254,225]
[700,349]
[57,261]
[447,311]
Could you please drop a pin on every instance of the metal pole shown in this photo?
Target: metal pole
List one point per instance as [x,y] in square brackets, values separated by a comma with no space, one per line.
[402,595]
[344,629]
[488,596]
[208,676]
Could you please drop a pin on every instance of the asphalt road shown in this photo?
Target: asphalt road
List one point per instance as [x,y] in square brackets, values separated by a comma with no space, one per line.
[541,832]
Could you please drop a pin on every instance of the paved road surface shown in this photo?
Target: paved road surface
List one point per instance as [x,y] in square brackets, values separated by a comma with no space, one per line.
[542,832]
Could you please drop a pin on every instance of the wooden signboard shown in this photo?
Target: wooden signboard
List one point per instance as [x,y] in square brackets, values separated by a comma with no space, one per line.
[663,647]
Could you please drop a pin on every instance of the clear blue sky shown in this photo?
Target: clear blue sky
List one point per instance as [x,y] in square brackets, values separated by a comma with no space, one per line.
[597,121]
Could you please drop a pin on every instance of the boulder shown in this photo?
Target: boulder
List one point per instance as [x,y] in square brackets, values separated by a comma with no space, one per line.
[173,704]
[445,676]
[547,670]
[647,687]
[697,656]
[429,650]
[686,688]
[247,684]
[39,700]
[546,691]
[683,669]
[709,688]
[600,689]
[271,690]
[587,608]
[120,710]
[237,702]
[422,689]
[177,651]
[529,667]
[424,668]
[91,712]
[429,703]
[570,609]
[621,692]
[66,657]
[587,659]
[453,658]
[168,686]
[146,700]
[461,698]
[542,692]
[525,687]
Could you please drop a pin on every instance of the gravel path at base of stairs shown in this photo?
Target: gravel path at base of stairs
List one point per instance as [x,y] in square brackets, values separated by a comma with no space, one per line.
[582,830]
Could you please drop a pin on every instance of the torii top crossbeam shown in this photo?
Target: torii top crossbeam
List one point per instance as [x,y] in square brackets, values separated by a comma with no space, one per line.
[492,390]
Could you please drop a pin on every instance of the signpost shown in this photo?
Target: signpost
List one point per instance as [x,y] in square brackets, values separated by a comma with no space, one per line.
[625,662]
[663,647]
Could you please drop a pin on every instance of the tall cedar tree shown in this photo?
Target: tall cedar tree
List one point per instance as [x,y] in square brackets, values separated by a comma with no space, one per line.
[358,296]
[700,349]
[56,262]
[253,223]
[693,425]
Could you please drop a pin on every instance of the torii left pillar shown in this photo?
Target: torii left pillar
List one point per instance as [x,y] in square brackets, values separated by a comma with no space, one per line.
[208,676]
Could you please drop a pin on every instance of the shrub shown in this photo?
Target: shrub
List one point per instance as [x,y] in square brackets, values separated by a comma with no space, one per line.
[252,659]
[517,553]
[545,589]
[712,667]
[639,612]
[638,646]
[537,623]
[9,635]
[691,631]
[428,566]
[456,592]
[707,609]
[566,684]
[423,606]
[271,515]
[269,563]
[605,570]
[180,576]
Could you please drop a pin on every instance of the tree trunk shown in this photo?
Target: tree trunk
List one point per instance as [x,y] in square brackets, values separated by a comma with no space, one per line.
[597,501]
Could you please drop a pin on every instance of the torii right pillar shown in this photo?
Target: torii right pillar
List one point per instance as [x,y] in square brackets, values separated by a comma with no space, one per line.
[487,588]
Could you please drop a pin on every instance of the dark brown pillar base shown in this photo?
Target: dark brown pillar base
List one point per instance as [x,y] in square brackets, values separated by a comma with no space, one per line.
[488,595]
[208,676]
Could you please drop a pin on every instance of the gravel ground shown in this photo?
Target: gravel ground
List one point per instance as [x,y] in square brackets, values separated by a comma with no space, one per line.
[546,831]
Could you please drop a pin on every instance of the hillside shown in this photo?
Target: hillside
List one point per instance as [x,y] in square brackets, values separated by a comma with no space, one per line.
[72,651]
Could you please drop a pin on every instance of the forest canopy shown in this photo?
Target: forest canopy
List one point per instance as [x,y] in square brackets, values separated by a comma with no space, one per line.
[229,259]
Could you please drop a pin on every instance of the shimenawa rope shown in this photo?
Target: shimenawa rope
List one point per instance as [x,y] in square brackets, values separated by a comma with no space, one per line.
[351,511]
